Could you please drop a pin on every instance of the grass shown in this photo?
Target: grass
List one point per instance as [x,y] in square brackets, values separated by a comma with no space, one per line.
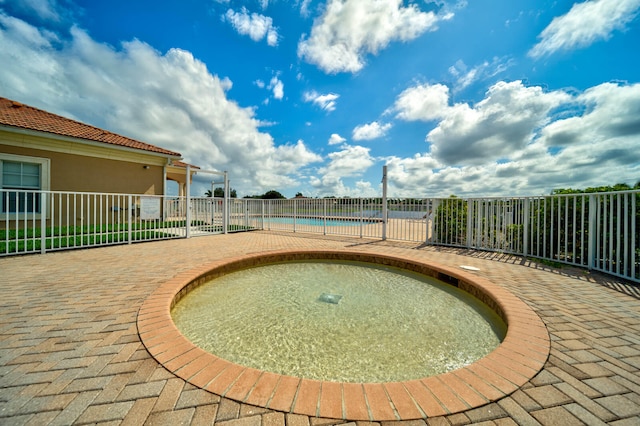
[60,237]
[56,242]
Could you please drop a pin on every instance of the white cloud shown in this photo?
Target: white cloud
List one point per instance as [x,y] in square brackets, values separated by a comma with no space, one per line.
[170,99]
[260,84]
[327,102]
[254,25]
[511,143]
[504,122]
[350,161]
[336,139]
[348,30]
[287,158]
[370,131]
[412,175]
[304,7]
[277,87]
[44,9]
[466,77]
[611,120]
[585,24]
[423,102]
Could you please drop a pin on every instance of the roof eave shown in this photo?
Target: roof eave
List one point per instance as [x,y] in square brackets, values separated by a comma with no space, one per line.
[38,133]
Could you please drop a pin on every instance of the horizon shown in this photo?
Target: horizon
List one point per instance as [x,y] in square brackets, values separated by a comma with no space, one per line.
[315,97]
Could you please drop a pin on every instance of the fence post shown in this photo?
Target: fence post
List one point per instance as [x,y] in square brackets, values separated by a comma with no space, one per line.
[43,223]
[384,202]
[129,217]
[361,217]
[246,213]
[525,228]
[435,204]
[470,222]
[324,217]
[593,229]
[188,204]
[269,214]
[225,206]
[295,214]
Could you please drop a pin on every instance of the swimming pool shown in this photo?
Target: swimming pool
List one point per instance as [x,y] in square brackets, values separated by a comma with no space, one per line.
[309,221]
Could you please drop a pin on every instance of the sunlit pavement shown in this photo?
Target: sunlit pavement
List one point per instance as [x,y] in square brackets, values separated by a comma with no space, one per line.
[70,351]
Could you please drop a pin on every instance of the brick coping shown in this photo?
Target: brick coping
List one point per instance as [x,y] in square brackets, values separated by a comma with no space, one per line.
[519,357]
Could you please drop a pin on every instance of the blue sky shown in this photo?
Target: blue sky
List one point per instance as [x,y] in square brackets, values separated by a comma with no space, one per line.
[455,97]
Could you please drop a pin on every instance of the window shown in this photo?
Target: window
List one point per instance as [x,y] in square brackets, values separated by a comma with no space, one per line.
[20,177]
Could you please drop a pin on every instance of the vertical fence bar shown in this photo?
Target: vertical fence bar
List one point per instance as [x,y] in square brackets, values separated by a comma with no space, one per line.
[544,227]
[43,222]
[635,270]
[525,228]
[552,234]
[385,213]
[591,248]
[295,214]
[188,204]
[225,203]
[608,258]
[566,228]
[575,233]
[4,201]
[361,201]
[469,233]
[324,217]
[584,211]
[129,219]
[618,226]
[625,233]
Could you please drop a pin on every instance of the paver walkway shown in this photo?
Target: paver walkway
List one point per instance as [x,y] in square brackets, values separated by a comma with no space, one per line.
[70,352]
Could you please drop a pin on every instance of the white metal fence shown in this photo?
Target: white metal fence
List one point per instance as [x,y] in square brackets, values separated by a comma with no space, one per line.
[40,221]
[599,231]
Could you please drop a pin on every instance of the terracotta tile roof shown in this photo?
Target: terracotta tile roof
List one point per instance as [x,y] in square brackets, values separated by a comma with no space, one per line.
[183,164]
[15,114]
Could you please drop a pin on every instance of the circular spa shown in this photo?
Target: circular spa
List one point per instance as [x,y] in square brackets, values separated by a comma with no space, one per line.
[344,334]
[338,321]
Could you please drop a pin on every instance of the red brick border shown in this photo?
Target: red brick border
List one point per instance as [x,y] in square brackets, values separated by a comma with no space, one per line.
[519,357]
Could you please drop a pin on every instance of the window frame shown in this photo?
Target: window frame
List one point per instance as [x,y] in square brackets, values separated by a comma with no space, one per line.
[45,179]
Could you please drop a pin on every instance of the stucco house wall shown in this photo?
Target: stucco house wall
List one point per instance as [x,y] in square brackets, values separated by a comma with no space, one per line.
[99,170]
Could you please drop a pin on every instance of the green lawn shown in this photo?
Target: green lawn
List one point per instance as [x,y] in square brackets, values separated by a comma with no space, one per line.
[30,240]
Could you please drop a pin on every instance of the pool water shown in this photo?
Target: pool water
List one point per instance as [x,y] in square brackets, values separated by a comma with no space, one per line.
[316,222]
[338,321]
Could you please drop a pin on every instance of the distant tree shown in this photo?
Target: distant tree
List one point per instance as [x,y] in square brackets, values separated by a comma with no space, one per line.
[299,194]
[272,195]
[610,188]
[269,195]
[219,192]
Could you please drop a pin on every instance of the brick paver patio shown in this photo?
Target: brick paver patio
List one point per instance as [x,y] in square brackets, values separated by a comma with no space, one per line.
[70,351]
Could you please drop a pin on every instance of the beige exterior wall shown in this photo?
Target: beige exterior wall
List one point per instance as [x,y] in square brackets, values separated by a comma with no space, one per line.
[90,168]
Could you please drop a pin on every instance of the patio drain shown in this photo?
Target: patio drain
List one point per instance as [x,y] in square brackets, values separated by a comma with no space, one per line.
[334,299]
